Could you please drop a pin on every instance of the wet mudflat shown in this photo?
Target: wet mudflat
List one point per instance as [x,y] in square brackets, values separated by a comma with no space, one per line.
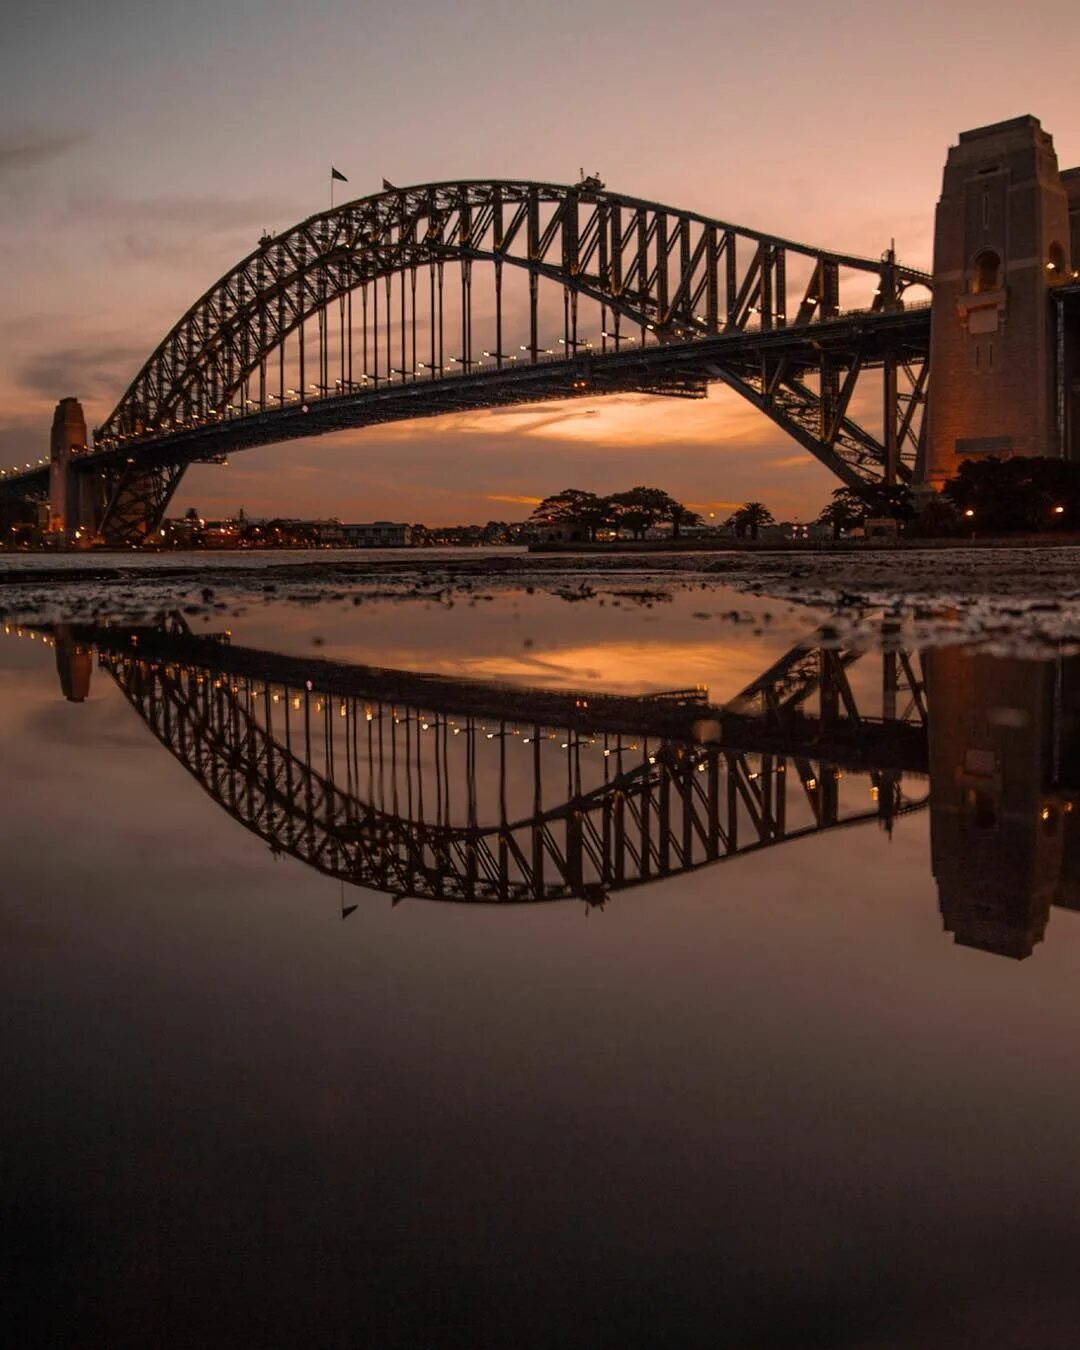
[988,593]
[338,1013]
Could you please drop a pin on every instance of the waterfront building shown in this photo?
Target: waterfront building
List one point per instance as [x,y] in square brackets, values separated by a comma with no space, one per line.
[377,534]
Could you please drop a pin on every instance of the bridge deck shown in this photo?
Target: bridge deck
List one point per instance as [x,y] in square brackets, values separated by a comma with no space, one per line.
[676,368]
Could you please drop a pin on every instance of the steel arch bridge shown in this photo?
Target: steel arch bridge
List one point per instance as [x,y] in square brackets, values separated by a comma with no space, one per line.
[415,795]
[464,295]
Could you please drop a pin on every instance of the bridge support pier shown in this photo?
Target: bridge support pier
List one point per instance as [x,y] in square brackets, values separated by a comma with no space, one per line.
[74,498]
[136,503]
[1067,324]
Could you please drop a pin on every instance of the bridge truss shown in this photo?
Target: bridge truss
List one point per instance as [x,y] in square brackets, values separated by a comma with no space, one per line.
[421,301]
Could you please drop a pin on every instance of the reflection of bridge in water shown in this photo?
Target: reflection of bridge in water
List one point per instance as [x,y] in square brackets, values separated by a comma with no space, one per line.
[426,786]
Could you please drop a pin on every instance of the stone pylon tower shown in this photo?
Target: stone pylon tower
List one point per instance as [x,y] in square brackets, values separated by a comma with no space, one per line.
[68,439]
[1001,245]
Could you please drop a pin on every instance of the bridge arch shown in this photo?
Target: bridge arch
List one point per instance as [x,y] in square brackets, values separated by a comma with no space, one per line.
[668,274]
[473,294]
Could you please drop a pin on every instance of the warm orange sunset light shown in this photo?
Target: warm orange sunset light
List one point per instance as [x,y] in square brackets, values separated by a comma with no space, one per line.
[540,674]
[113,225]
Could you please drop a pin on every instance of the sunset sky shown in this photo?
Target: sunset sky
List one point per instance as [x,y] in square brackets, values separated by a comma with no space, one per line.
[143,150]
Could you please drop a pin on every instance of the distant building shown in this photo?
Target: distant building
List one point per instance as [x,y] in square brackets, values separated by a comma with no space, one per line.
[880,527]
[222,533]
[562,532]
[378,534]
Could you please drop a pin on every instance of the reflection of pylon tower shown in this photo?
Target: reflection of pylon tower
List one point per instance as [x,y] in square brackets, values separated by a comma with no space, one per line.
[74,664]
[995,815]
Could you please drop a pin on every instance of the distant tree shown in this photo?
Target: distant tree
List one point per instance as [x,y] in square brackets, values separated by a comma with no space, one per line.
[639,508]
[682,515]
[1022,493]
[938,519]
[750,519]
[846,511]
[572,506]
[495,532]
[894,500]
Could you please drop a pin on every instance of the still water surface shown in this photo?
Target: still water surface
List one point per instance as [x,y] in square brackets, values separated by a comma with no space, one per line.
[512,982]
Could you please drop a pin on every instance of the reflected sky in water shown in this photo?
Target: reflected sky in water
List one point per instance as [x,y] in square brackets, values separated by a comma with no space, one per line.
[800,1095]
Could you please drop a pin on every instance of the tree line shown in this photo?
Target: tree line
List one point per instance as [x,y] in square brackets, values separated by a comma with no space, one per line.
[637,510]
[991,496]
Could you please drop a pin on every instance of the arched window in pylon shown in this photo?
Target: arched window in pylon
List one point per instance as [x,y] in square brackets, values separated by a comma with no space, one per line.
[986,274]
[1055,260]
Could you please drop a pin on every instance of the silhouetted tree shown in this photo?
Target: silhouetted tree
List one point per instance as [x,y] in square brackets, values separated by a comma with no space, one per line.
[750,518]
[938,519]
[682,515]
[893,500]
[1022,493]
[846,511]
[572,506]
[641,507]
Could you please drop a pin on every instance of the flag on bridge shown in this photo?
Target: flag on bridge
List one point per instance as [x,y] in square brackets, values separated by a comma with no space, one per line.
[339,176]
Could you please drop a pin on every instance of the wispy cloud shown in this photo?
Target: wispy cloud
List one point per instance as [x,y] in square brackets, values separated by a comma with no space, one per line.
[512,499]
[713,506]
[212,214]
[22,440]
[18,153]
[172,227]
[80,372]
[788,462]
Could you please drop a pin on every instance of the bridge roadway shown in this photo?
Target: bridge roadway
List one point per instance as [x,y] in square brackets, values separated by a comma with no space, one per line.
[860,340]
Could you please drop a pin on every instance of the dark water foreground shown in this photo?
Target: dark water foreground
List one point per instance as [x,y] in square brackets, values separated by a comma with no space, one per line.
[536,975]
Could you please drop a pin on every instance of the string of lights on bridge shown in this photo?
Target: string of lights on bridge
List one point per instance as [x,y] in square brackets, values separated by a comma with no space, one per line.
[459,366]
[433,722]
